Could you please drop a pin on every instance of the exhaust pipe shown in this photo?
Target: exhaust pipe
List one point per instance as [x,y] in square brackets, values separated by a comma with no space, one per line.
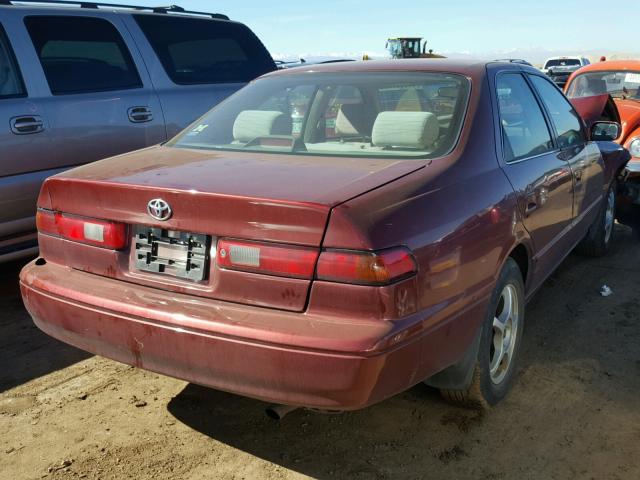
[277,412]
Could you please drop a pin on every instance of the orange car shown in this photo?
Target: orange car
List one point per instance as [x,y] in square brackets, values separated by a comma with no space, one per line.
[621,80]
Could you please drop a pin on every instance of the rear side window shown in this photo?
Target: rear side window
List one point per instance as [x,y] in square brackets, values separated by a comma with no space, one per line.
[524,129]
[564,117]
[200,51]
[10,79]
[81,54]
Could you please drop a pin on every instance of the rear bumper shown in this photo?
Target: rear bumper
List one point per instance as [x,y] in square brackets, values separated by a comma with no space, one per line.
[273,372]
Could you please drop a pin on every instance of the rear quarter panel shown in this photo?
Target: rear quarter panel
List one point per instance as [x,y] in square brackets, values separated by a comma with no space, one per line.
[458,215]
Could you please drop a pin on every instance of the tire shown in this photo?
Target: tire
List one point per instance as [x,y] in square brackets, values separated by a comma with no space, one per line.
[597,241]
[492,377]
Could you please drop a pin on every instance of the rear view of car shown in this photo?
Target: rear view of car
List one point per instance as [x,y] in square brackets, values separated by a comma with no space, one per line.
[331,236]
[217,258]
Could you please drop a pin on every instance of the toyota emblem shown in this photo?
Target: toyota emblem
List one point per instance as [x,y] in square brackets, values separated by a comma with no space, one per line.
[159,209]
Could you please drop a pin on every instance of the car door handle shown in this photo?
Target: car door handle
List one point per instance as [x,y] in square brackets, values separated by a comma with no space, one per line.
[139,114]
[26,125]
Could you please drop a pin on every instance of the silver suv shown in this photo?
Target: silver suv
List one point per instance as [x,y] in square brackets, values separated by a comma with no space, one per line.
[83,81]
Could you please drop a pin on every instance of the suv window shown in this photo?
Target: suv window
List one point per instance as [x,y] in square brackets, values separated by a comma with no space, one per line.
[10,79]
[81,54]
[524,129]
[565,119]
[199,51]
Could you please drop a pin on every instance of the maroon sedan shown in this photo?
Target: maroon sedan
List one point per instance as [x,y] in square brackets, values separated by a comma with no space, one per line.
[267,253]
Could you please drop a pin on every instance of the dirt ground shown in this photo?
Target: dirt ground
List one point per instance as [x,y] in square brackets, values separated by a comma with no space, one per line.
[574,412]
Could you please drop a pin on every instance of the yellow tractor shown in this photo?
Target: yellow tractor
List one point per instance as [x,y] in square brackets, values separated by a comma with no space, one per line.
[409,47]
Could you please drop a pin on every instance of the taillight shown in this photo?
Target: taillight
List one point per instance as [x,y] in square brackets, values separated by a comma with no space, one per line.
[347,266]
[101,233]
[270,259]
[367,268]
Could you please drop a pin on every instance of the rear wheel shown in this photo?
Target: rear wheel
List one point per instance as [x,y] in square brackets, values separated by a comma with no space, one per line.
[499,344]
[598,239]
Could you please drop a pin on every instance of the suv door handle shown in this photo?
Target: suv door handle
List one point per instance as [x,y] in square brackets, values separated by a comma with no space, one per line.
[139,114]
[26,124]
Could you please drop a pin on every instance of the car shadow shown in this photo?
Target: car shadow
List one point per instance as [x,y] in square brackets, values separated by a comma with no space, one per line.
[571,355]
[25,352]
[358,444]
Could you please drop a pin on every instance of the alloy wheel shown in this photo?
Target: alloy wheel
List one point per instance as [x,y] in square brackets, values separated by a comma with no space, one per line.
[505,330]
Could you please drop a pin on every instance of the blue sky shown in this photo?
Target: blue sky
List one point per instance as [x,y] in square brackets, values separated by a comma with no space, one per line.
[352,27]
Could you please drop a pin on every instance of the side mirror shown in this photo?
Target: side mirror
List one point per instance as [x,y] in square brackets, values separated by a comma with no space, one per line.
[605,131]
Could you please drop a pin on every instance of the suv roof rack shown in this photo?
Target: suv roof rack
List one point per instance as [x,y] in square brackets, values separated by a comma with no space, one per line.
[96,5]
[513,60]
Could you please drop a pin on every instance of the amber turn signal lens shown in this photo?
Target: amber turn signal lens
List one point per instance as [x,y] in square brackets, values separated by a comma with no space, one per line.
[367,268]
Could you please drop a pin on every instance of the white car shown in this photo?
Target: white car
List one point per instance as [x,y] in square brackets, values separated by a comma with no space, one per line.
[560,68]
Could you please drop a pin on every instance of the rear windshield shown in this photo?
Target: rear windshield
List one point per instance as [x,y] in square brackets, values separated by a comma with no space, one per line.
[196,51]
[620,84]
[562,62]
[343,114]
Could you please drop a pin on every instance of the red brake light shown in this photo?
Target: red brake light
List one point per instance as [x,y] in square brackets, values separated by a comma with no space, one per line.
[270,259]
[101,233]
[369,268]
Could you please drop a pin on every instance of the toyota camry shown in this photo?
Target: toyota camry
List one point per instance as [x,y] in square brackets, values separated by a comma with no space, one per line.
[332,235]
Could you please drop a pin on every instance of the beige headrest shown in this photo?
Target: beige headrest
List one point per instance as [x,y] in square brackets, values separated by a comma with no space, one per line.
[405,129]
[251,124]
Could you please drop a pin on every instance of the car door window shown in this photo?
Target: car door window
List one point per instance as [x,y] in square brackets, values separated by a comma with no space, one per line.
[564,118]
[524,130]
[82,54]
[11,84]
[201,51]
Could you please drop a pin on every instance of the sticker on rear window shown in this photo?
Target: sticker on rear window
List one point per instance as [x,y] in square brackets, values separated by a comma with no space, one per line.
[199,129]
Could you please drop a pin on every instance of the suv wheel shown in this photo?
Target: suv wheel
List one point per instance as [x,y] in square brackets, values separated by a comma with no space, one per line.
[499,344]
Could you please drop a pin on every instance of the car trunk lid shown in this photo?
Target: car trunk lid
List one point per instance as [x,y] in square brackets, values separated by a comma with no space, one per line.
[284,199]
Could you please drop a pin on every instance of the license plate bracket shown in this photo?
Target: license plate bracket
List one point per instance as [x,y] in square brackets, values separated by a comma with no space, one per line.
[173,253]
